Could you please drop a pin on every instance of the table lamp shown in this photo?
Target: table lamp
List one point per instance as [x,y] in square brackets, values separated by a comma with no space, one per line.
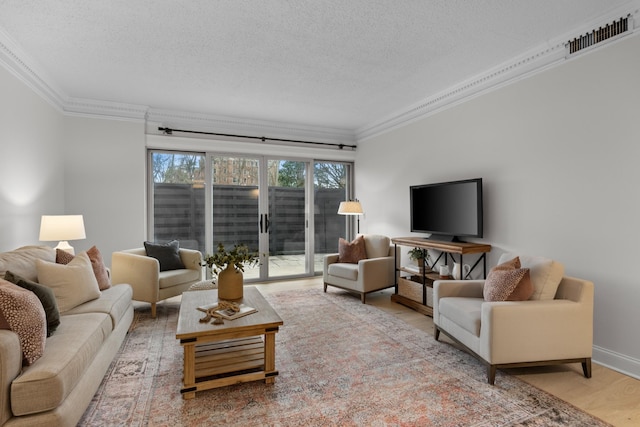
[351,207]
[62,228]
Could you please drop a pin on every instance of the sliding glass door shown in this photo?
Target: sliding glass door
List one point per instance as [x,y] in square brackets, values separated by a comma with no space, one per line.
[285,209]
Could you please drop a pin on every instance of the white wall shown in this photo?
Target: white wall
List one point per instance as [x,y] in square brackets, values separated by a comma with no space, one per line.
[31,173]
[558,153]
[105,179]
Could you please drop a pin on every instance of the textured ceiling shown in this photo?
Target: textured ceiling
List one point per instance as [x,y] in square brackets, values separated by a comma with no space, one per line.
[342,64]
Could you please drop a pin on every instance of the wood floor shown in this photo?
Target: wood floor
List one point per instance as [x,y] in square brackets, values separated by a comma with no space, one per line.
[608,395]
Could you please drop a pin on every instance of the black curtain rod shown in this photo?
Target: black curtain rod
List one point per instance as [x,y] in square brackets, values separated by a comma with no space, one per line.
[169,131]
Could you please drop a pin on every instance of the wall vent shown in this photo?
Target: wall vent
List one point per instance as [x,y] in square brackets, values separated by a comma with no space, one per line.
[601,34]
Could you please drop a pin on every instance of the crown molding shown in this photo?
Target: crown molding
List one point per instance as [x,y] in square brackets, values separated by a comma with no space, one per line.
[25,68]
[536,60]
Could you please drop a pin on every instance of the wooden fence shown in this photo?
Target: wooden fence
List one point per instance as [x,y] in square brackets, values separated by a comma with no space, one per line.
[179,214]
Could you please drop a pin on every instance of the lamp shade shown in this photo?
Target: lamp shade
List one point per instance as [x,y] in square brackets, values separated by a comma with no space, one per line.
[62,227]
[350,208]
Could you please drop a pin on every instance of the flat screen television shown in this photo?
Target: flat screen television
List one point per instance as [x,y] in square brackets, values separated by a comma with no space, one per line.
[447,210]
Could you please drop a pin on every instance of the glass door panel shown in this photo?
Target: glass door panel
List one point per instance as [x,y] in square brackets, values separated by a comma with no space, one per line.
[235,204]
[178,198]
[330,188]
[287,218]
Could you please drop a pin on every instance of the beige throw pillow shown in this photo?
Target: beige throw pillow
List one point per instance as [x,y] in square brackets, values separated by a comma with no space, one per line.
[72,284]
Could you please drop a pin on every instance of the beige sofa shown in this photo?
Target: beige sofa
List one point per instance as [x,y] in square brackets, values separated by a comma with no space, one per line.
[554,326]
[58,387]
[375,272]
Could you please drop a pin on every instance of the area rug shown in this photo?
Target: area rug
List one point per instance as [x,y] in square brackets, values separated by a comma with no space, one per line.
[340,362]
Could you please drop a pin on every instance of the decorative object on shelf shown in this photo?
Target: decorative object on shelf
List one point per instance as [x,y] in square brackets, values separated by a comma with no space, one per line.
[460,271]
[229,267]
[351,207]
[444,271]
[421,257]
[62,228]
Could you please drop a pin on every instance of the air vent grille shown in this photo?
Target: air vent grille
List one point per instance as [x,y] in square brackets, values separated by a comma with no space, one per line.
[601,34]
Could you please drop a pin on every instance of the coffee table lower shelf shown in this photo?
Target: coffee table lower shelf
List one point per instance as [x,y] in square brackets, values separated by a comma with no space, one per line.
[223,363]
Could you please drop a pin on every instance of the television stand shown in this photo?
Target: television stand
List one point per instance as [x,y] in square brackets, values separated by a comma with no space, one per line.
[423,280]
[444,238]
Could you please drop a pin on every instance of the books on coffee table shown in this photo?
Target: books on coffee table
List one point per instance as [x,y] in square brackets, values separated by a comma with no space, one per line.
[228,313]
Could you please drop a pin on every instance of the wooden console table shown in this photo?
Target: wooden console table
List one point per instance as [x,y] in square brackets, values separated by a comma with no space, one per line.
[446,250]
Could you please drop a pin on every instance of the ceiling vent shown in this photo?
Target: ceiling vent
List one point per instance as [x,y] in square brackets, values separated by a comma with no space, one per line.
[601,34]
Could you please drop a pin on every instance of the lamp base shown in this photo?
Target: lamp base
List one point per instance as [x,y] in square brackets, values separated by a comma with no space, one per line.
[63,245]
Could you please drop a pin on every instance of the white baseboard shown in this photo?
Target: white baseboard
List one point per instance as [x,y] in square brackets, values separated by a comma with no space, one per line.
[616,361]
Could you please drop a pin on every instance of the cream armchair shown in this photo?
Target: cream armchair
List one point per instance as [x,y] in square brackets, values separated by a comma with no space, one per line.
[544,330]
[375,272]
[149,284]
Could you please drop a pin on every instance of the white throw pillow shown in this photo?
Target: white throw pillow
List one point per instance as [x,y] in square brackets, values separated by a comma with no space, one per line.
[72,284]
[545,274]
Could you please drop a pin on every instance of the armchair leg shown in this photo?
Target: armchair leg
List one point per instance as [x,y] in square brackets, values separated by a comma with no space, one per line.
[153,310]
[491,374]
[325,287]
[363,296]
[586,367]
[436,333]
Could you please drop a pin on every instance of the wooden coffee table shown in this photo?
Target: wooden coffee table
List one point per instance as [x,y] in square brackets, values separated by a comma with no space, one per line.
[238,351]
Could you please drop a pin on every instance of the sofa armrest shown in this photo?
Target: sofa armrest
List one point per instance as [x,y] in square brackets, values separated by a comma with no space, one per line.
[376,273]
[139,271]
[513,331]
[10,367]
[191,259]
[327,260]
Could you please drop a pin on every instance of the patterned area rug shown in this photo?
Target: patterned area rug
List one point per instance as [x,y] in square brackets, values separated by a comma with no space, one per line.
[341,363]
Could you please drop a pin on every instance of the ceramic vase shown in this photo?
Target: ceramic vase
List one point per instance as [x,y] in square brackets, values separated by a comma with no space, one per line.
[230,282]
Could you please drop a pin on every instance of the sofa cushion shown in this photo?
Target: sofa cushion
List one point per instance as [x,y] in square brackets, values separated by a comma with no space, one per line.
[376,245]
[63,257]
[46,384]
[99,269]
[72,284]
[114,301]
[465,312]
[167,254]
[508,282]
[171,278]
[351,252]
[22,313]
[44,294]
[22,261]
[97,263]
[545,274]
[344,270]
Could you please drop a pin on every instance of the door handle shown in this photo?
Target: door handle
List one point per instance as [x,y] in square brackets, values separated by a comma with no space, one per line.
[261,215]
[266,223]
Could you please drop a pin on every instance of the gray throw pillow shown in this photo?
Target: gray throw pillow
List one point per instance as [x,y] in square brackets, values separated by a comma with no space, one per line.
[167,254]
[44,294]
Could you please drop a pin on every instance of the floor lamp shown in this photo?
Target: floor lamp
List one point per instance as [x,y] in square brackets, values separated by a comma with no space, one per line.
[351,207]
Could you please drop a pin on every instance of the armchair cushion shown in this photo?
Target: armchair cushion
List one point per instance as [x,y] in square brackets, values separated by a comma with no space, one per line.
[508,282]
[351,252]
[344,270]
[545,274]
[377,246]
[167,254]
